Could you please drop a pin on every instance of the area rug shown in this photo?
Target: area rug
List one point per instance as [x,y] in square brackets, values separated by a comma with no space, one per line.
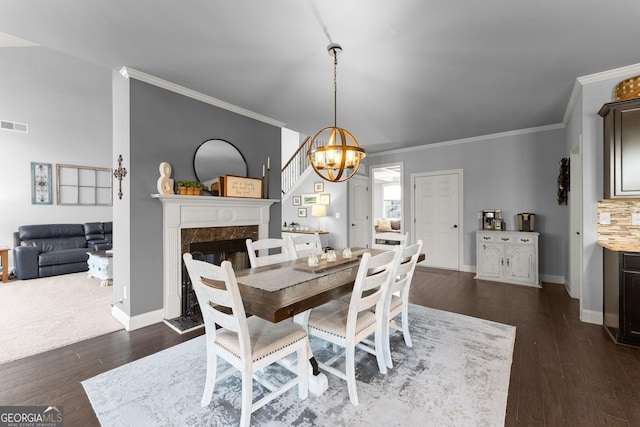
[456,374]
[42,314]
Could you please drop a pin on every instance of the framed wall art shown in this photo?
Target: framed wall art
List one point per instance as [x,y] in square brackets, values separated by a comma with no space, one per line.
[41,184]
[302,212]
[84,185]
[297,200]
[310,199]
[324,199]
[318,187]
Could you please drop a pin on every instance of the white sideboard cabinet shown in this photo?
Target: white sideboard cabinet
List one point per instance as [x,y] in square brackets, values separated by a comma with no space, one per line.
[507,256]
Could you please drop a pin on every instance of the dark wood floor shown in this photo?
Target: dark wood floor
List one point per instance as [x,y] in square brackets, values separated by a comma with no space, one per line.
[564,372]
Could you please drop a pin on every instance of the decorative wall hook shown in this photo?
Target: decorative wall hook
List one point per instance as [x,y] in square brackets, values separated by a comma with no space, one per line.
[119,174]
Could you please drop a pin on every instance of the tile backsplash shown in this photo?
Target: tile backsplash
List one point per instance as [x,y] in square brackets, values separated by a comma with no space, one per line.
[620,230]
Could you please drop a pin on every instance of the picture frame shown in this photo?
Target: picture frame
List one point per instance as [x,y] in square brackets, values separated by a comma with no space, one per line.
[41,184]
[310,199]
[302,212]
[240,186]
[318,187]
[324,199]
[297,200]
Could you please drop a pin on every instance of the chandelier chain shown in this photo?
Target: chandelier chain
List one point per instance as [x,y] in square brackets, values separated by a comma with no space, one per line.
[335,88]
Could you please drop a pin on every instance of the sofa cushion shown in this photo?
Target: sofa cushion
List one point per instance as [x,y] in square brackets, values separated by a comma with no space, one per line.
[51,245]
[66,256]
[395,224]
[94,231]
[50,231]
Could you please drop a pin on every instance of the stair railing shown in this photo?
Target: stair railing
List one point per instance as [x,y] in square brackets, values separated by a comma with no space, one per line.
[296,165]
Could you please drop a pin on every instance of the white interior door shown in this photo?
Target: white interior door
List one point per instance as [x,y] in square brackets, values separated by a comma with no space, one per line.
[575,217]
[436,202]
[359,207]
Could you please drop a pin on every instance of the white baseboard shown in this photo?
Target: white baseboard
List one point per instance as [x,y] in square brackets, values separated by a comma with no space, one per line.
[468,268]
[590,316]
[551,278]
[139,321]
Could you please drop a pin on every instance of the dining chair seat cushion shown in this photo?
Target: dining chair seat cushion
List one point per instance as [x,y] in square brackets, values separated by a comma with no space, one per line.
[266,338]
[331,318]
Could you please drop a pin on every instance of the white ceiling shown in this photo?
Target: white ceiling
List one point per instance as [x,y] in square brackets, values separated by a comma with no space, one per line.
[411,71]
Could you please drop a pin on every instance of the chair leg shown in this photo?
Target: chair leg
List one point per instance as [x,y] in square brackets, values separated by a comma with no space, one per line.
[212,367]
[247,396]
[405,327]
[380,350]
[387,345]
[351,374]
[303,372]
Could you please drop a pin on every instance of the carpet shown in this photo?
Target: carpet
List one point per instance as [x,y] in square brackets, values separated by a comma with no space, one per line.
[42,314]
[456,374]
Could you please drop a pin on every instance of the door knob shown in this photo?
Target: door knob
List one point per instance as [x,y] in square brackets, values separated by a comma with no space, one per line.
[455,226]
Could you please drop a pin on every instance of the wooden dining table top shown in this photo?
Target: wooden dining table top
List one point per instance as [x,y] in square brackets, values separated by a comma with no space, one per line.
[282,304]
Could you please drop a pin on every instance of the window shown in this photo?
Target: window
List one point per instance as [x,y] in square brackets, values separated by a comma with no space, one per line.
[84,185]
[391,199]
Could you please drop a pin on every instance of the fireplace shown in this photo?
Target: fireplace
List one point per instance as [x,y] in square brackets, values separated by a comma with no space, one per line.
[213,245]
[203,219]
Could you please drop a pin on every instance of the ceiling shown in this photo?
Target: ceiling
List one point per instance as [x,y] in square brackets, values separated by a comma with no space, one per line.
[411,72]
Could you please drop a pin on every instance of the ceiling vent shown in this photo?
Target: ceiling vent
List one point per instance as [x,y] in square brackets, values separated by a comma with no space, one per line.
[17,127]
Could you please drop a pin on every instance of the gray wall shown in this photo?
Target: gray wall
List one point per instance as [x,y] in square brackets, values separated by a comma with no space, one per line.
[166,126]
[513,173]
[67,104]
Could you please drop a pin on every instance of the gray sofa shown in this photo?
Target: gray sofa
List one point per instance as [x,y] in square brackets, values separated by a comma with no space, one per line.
[51,249]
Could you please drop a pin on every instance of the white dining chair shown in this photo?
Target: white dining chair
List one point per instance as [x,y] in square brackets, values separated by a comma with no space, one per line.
[347,325]
[248,344]
[390,240]
[303,245]
[265,247]
[396,298]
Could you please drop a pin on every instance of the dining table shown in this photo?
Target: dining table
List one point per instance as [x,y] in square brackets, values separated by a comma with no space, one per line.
[290,289]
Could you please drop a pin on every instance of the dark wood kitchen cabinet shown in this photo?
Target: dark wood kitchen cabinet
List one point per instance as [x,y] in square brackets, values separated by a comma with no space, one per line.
[621,148]
[622,296]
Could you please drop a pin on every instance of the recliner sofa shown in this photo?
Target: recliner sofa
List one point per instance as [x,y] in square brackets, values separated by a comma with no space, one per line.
[45,250]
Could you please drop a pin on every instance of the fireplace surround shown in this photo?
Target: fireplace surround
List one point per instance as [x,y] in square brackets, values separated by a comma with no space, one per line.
[183,214]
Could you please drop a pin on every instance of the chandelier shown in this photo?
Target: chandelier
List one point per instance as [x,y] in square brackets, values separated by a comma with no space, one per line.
[338,159]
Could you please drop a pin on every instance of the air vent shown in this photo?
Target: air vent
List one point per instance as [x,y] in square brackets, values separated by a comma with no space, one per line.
[17,127]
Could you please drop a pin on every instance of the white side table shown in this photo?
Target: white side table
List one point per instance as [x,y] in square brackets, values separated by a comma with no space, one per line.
[101,266]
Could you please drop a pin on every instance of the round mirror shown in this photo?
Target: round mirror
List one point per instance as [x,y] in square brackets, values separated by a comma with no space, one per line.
[217,157]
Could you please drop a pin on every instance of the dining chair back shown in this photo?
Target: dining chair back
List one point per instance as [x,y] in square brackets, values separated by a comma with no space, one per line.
[248,345]
[267,256]
[349,324]
[386,240]
[303,245]
[396,299]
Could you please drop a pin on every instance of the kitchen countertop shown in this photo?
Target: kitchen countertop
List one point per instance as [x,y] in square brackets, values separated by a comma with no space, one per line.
[620,247]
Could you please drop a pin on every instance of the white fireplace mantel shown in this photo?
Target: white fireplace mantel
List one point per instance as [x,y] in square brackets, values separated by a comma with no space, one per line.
[199,212]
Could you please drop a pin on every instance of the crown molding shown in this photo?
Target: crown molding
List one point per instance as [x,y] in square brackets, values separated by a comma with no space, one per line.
[471,139]
[616,73]
[610,74]
[128,72]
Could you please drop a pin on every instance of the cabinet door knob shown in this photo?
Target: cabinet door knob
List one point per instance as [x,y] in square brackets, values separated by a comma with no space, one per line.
[455,226]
